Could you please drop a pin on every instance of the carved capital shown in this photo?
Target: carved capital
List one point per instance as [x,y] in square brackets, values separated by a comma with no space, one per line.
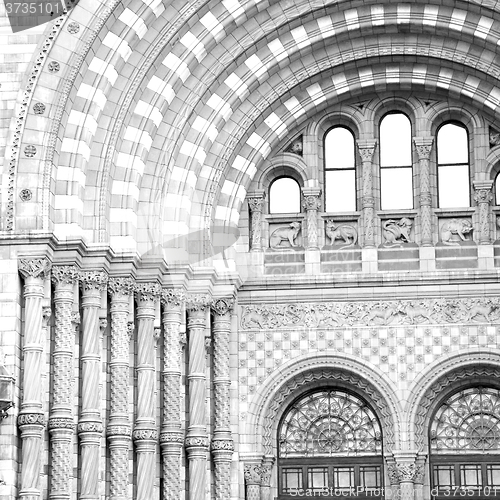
[28,419]
[265,471]
[173,297]
[198,302]
[311,202]
[252,473]
[67,275]
[34,268]
[146,292]
[93,280]
[483,196]
[405,472]
[423,146]
[256,203]
[222,306]
[366,150]
[121,286]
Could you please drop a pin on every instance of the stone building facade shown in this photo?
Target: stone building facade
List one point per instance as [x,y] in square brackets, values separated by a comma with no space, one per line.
[250,251]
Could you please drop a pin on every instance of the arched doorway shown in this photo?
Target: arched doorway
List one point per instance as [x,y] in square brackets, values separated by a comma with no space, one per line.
[329,444]
[464,444]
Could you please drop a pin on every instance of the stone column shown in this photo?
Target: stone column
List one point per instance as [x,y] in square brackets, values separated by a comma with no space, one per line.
[483,197]
[256,204]
[171,436]
[118,429]
[90,426]
[424,147]
[222,442]
[312,203]
[366,150]
[31,419]
[196,438]
[253,478]
[61,424]
[265,478]
[145,434]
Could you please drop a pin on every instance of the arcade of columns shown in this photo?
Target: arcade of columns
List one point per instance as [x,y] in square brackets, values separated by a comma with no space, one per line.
[144,433]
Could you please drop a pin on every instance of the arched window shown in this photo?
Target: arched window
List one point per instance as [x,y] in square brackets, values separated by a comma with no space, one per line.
[497,189]
[396,173]
[465,443]
[329,441]
[340,170]
[453,166]
[284,196]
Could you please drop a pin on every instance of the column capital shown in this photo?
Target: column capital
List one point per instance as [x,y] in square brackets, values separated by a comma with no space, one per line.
[311,198]
[198,302]
[146,292]
[93,281]
[366,149]
[255,200]
[424,146]
[38,267]
[173,296]
[65,275]
[483,193]
[121,285]
[222,305]
[253,474]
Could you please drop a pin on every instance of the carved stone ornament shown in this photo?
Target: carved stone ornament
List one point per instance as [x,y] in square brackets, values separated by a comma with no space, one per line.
[198,302]
[483,196]
[494,137]
[173,296]
[265,474]
[39,108]
[156,336]
[75,318]
[25,194]
[30,151]
[222,306]
[103,324]
[455,227]
[145,435]
[183,340]
[94,427]
[396,233]
[256,203]
[285,236]
[46,314]
[208,343]
[73,28]
[94,280]
[222,444]
[311,202]
[424,151]
[392,471]
[147,291]
[118,430]
[34,268]
[121,286]
[61,423]
[347,234]
[65,274]
[130,329]
[391,312]
[54,66]
[407,472]
[366,154]
[171,437]
[296,146]
[31,419]
[197,442]
[252,473]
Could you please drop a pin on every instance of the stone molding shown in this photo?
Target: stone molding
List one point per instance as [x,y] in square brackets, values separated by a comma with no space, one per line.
[222,444]
[119,431]
[171,437]
[56,423]
[31,418]
[144,434]
[95,427]
[373,313]
[34,268]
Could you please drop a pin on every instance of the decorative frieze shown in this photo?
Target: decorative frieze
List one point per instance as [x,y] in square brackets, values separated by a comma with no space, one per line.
[390,312]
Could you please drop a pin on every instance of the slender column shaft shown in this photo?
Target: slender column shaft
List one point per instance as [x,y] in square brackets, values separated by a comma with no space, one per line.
[171,436]
[197,439]
[424,147]
[256,205]
[483,197]
[61,424]
[366,149]
[222,442]
[118,429]
[31,419]
[90,424]
[312,204]
[145,434]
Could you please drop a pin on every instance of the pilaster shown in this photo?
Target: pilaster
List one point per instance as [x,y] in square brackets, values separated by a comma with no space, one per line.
[483,197]
[424,147]
[256,205]
[366,150]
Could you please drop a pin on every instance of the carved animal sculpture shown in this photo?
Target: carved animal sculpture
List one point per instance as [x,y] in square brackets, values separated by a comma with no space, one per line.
[286,233]
[381,313]
[251,319]
[414,312]
[396,233]
[460,227]
[344,232]
[484,311]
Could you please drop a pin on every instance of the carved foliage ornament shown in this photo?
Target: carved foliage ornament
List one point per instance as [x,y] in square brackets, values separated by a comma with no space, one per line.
[25,194]
[222,444]
[256,203]
[173,296]
[145,435]
[312,202]
[34,268]
[94,280]
[147,291]
[252,474]
[394,312]
[366,154]
[222,306]
[31,419]
[65,274]
[121,286]
[483,196]
[198,302]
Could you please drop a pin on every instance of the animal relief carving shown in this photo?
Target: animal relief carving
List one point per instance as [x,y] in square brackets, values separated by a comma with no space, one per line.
[397,232]
[344,232]
[455,227]
[286,234]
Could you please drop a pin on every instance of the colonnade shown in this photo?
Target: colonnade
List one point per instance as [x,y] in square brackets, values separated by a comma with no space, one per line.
[142,316]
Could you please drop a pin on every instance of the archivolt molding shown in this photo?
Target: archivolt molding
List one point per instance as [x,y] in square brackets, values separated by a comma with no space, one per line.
[441,378]
[313,371]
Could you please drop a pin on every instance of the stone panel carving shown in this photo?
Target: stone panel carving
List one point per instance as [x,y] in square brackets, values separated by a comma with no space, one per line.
[285,234]
[345,232]
[397,232]
[340,314]
[34,268]
[458,227]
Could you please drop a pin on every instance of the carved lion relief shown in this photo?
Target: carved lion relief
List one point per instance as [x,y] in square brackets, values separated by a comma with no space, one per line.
[344,232]
[285,236]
